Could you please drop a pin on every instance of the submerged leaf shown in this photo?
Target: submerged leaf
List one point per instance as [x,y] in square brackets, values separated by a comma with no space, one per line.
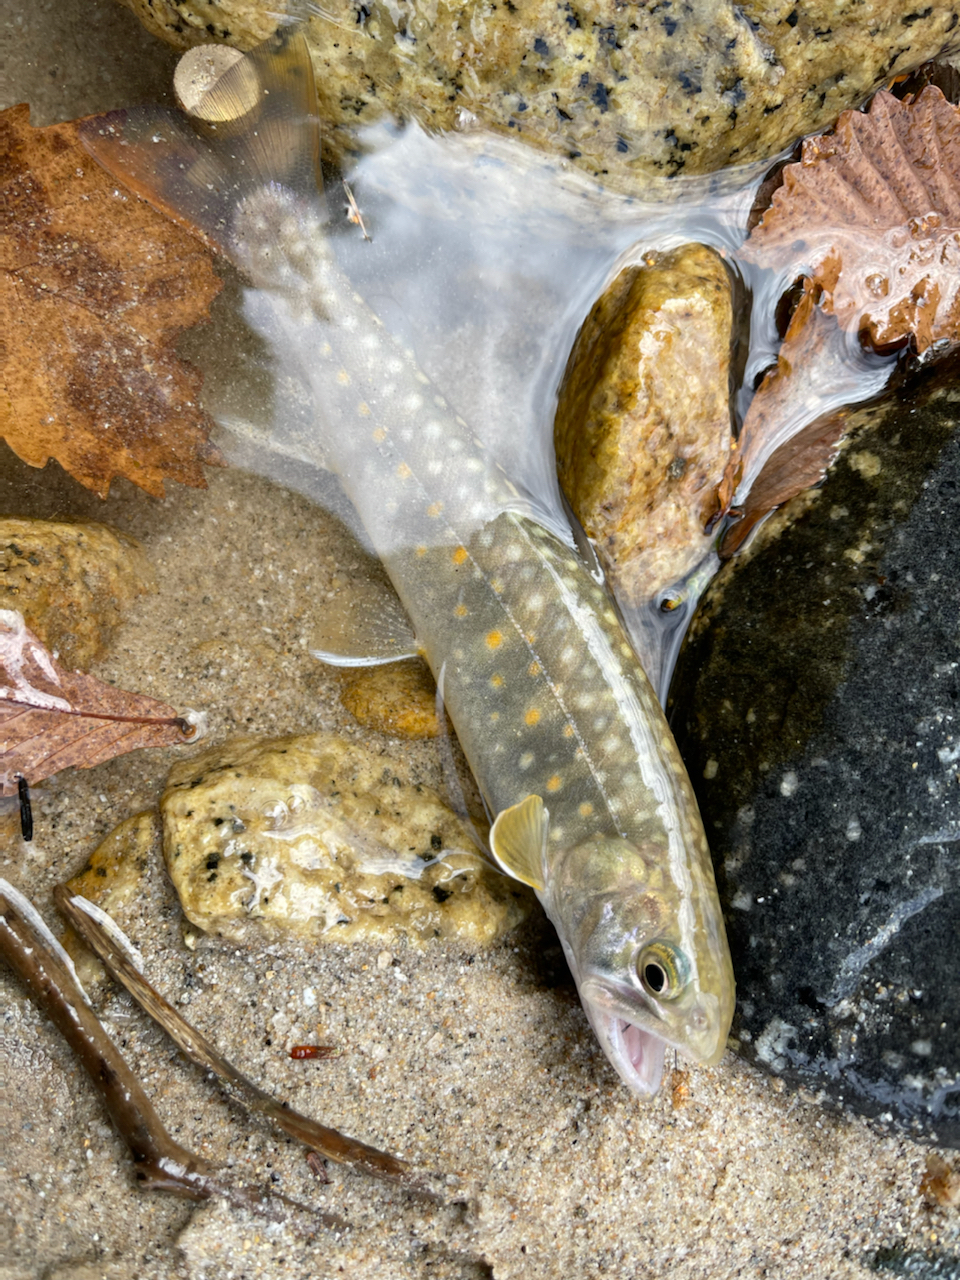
[51,719]
[94,289]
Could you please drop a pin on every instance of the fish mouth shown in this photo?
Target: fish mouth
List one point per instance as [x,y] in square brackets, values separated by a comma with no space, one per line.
[636,1054]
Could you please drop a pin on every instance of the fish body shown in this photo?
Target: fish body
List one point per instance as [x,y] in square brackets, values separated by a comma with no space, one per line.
[557,720]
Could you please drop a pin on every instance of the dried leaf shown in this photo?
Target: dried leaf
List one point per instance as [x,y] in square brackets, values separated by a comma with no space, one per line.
[788,441]
[51,719]
[95,286]
[873,209]
[872,213]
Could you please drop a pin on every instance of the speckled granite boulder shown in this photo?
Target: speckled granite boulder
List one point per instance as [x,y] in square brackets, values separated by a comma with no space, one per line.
[318,836]
[817,705]
[625,91]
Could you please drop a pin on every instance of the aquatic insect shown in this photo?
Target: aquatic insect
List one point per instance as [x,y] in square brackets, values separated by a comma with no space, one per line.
[556,718]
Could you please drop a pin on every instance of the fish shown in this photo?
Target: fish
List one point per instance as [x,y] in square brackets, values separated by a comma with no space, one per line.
[591,803]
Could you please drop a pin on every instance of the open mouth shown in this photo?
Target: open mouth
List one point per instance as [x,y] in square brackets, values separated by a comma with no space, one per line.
[636,1054]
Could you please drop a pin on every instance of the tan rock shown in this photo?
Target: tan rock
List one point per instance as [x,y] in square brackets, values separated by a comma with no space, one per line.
[318,836]
[624,91]
[113,878]
[643,422]
[399,699]
[71,582]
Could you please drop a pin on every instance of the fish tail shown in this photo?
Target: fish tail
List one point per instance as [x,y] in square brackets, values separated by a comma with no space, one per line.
[256,127]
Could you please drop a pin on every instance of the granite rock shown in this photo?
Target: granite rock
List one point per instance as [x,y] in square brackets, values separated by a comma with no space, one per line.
[624,92]
[817,705]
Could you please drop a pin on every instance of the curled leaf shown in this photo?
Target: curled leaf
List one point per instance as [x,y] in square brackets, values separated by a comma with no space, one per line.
[95,286]
[873,209]
[51,719]
[871,214]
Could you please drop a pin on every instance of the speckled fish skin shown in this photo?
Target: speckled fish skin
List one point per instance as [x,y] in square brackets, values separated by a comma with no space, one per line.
[538,676]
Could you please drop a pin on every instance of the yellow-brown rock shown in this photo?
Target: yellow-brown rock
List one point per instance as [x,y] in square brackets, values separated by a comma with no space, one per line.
[322,838]
[643,427]
[112,878]
[623,91]
[399,699]
[71,582]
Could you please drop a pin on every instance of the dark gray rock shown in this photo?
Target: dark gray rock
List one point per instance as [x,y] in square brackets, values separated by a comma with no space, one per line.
[817,704]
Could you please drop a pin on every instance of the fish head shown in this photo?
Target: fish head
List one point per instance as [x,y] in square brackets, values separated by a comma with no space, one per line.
[648,953]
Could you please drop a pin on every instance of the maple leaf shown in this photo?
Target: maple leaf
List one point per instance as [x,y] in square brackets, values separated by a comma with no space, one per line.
[51,719]
[95,286]
[872,212]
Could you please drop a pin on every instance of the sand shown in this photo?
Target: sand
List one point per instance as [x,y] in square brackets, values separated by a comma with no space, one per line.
[479,1065]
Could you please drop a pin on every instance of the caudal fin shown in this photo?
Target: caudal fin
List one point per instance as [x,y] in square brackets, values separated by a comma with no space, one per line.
[260,127]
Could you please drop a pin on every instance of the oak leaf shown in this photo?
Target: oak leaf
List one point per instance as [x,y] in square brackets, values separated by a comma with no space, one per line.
[52,719]
[874,211]
[95,286]
[871,213]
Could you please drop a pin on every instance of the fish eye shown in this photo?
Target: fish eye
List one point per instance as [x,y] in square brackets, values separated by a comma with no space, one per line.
[663,970]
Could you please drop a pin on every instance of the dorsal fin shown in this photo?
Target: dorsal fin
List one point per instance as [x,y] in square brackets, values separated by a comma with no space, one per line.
[518,840]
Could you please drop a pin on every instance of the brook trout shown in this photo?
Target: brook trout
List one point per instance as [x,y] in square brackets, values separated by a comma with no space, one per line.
[555,715]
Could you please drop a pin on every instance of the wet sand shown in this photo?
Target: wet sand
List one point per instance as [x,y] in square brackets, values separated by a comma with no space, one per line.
[479,1065]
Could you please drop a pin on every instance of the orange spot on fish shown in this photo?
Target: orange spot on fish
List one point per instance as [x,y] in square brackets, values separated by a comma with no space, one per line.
[434,509]
[404,472]
[380,435]
[421,551]
[497,681]
[534,669]
[586,809]
[461,611]
[343,377]
[568,730]
[460,555]
[494,639]
[363,409]
[554,783]
[532,717]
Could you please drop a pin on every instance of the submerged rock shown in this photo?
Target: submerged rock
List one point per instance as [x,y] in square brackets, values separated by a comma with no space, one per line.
[317,836]
[817,706]
[623,91]
[399,699]
[71,582]
[643,426]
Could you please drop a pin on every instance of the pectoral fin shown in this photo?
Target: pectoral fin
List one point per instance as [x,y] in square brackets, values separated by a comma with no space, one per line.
[364,626]
[518,840]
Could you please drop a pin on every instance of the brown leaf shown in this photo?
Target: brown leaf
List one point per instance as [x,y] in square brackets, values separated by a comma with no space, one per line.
[95,286]
[787,441]
[51,719]
[873,210]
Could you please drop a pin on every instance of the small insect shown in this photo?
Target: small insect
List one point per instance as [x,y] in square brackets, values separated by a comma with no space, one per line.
[316,1166]
[26,810]
[315,1051]
[353,212]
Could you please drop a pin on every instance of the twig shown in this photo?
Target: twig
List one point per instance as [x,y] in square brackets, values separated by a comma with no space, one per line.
[160,1162]
[328,1142]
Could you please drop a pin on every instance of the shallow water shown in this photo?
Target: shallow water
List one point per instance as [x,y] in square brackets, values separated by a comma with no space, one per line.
[483,1064]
